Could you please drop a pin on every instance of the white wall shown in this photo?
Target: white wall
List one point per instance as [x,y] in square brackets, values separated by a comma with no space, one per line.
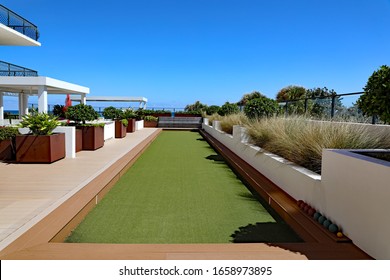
[353,191]
[139,125]
[358,197]
[70,139]
[109,130]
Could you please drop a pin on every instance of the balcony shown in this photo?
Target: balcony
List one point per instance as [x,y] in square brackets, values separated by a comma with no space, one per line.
[8,69]
[16,30]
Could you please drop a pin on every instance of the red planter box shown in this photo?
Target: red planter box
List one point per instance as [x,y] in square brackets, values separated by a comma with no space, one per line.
[131,125]
[6,150]
[93,137]
[40,148]
[79,140]
[150,124]
[120,129]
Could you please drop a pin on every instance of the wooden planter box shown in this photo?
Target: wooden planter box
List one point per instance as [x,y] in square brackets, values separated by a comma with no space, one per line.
[120,129]
[40,148]
[6,150]
[131,125]
[150,124]
[93,137]
[79,140]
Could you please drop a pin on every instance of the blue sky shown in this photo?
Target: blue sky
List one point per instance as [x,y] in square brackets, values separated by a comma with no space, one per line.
[175,52]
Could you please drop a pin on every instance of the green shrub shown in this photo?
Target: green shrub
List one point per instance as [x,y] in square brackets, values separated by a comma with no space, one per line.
[81,113]
[8,132]
[376,98]
[40,123]
[112,113]
[150,118]
[59,111]
[261,107]
[129,114]
[212,109]
[228,109]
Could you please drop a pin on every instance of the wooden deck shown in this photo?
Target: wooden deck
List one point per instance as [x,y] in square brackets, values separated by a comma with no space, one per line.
[40,204]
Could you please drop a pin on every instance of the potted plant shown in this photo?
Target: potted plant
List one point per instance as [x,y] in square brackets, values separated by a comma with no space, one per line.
[120,121]
[41,145]
[92,133]
[7,142]
[130,116]
[150,121]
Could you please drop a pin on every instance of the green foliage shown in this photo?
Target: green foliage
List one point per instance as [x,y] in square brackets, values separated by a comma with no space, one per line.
[125,122]
[81,113]
[112,113]
[228,109]
[40,123]
[248,97]
[59,111]
[197,106]
[290,93]
[210,110]
[8,132]
[150,118]
[376,98]
[261,107]
[129,114]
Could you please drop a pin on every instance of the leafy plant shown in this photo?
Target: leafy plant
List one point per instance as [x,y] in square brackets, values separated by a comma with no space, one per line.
[248,97]
[40,123]
[129,114]
[212,109]
[8,132]
[81,113]
[261,107]
[227,122]
[197,106]
[125,122]
[228,109]
[150,118]
[376,98]
[112,113]
[59,111]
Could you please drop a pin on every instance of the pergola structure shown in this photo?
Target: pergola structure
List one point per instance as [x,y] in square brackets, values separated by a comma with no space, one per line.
[141,100]
[23,87]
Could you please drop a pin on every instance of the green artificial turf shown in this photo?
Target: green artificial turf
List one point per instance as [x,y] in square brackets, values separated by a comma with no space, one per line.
[179,191]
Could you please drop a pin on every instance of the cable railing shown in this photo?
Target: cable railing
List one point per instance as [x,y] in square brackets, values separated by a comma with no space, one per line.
[9,69]
[18,23]
[328,107]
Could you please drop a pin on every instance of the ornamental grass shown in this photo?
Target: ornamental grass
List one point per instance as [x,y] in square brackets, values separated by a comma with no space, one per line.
[301,141]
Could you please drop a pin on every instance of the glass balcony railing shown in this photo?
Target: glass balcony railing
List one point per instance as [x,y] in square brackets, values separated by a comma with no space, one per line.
[18,23]
[8,69]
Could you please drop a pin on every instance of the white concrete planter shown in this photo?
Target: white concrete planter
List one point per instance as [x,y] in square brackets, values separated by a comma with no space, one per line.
[139,125]
[109,130]
[353,191]
[70,139]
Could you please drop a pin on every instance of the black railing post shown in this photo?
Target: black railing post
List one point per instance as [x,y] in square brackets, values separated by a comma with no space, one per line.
[332,106]
[286,110]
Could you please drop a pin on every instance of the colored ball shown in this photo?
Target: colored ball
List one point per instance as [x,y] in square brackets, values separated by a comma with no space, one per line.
[317,215]
[303,205]
[321,219]
[326,223]
[333,228]
[339,234]
[306,208]
[311,212]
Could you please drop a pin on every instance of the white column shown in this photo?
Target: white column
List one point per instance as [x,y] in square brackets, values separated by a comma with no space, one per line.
[1,106]
[25,104]
[20,104]
[42,99]
[83,99]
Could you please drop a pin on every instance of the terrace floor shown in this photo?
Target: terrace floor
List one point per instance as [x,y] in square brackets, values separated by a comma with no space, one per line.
[39,203]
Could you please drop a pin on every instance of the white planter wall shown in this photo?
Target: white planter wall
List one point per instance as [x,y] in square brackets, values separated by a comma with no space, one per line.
[109,130]
[353,191]
[139,125]
[70,139]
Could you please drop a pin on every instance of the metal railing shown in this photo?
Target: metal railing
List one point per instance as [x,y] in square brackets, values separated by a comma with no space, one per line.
[18,23]
[327,107]
[9,69]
